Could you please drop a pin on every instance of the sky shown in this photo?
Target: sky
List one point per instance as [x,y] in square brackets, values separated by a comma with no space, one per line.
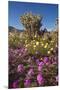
[49,12]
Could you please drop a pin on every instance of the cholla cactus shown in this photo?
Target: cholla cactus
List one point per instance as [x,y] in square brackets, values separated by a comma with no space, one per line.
[32,23]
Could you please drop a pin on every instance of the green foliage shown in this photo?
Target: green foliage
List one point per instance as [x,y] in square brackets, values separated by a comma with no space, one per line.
[45,44]
[49,72]
[14,40]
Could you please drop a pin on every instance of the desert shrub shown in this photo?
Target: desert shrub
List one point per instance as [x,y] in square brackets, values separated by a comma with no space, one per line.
[32,23]
[33,58]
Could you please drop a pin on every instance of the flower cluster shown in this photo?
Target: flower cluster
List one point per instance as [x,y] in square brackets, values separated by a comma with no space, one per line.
[33,63]
[31,69]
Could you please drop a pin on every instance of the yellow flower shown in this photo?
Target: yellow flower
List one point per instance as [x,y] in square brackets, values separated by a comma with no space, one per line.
[52,41]
[26,45]
[33,40]
[48,52]
[37,43]
[42,44]
[45,46]
[35,36]
[34,46]
[46,43]
[51,49]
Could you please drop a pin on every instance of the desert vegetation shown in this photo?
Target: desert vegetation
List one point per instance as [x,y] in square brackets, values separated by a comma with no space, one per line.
[33,54]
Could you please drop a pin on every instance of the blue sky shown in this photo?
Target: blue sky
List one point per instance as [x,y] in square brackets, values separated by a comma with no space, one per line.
[16,9]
